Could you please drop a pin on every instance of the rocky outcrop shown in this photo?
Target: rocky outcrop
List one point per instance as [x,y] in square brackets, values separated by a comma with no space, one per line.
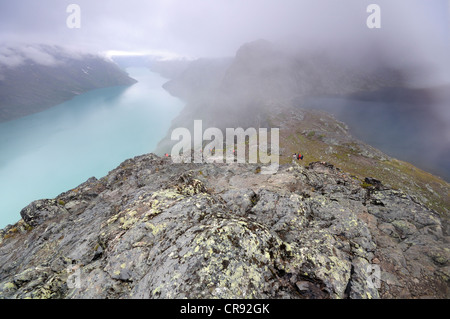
[39,211]
[154,229]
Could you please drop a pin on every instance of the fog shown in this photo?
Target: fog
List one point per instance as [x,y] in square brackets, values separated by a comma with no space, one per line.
[217,28]
[413,32]
[13,56]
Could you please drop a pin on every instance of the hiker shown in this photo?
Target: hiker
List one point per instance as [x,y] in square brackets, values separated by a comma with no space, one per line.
[300,156]
[294,156]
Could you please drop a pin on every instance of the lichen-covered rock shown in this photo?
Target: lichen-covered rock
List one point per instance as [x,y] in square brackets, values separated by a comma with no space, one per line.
[154,229]
[41,210]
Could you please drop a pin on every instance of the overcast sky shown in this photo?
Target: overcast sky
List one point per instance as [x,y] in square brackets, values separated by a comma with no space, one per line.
[218,27]
[411,31]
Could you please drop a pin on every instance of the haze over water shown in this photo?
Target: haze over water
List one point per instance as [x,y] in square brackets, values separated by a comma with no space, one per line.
[45,154]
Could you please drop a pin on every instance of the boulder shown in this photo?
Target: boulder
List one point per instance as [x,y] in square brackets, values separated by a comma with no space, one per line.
[41,210]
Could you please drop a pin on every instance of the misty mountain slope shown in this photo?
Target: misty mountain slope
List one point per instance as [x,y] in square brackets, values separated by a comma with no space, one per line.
[197,80]
[38,77]
[226,95]
[265,87]
[260,69]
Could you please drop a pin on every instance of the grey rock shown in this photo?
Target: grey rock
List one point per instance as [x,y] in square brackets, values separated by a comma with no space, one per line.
[41,210]
[154,229]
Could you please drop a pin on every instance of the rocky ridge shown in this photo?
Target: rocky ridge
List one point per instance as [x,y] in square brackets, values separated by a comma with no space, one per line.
[154,229]
[266,86]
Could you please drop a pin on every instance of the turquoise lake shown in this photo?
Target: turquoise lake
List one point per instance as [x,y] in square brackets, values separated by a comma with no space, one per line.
[47,153]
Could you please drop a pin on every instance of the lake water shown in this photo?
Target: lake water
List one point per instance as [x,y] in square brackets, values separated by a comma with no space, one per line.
[393,122]
[45,154]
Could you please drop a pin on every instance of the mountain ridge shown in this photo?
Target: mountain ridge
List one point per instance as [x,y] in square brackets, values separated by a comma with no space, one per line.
[317,228]
[229,101]
[154,229]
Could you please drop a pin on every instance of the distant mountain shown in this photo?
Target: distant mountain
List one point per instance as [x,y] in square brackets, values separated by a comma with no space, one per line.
[34,78]
[217,89]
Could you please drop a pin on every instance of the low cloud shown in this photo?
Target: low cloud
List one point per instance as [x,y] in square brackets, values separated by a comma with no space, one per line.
[9,58]
[13,56]
[16,54]
[38,56]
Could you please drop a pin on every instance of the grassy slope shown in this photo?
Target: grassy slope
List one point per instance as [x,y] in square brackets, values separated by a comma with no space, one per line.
[320,137]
